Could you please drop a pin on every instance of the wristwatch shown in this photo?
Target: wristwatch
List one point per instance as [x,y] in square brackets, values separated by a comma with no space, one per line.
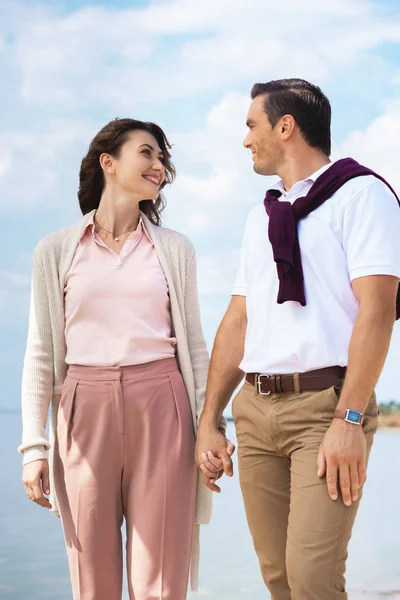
[351,416]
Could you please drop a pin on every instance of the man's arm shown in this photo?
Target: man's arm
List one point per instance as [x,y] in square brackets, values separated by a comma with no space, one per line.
[343,450]
[223,378]
[370,340]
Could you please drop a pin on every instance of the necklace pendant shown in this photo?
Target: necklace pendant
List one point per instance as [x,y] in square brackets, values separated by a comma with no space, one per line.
[116,239]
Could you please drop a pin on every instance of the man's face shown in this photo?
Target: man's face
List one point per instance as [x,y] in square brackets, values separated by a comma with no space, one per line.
[262,139]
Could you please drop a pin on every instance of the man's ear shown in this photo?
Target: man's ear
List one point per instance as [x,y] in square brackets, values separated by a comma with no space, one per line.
[287,126]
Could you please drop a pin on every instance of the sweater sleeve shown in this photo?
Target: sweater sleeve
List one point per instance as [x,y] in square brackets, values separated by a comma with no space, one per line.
[38,370]
[197,346]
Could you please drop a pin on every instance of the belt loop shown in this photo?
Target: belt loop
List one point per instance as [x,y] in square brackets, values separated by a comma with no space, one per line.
[256,390]
[296,381]
[278,384]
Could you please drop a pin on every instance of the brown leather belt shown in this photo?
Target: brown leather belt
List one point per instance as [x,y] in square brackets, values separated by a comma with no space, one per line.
[320,379]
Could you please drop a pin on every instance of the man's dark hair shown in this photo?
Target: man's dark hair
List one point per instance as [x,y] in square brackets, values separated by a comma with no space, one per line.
[309,107]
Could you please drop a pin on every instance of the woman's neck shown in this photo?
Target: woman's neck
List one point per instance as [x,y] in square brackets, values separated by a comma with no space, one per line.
[118,213]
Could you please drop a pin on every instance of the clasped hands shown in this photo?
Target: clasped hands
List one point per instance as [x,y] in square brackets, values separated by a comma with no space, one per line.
[213,456]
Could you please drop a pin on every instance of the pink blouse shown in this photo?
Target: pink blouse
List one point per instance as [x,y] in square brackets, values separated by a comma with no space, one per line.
[117,307]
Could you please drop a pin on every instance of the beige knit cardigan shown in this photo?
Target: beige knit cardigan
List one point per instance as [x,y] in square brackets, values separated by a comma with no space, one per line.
[45,367]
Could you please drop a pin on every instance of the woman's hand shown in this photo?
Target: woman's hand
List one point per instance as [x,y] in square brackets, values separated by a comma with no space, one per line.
[213,455]
[35,477]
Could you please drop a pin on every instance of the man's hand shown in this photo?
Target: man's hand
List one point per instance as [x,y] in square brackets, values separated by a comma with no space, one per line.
[35,477]
[213,455]
[342,457]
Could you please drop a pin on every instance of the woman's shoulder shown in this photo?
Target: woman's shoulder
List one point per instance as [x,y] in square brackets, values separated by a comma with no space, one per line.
[178,247]
[54,243]
[173,242]
[174,237]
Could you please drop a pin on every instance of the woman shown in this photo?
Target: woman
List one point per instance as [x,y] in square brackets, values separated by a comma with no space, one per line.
[115,345]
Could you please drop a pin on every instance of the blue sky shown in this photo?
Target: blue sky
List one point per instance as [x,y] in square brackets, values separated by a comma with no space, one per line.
[67,68]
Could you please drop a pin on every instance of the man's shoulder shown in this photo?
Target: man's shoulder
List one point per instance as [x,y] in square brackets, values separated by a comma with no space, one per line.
[363,186]
[256,212]
[256,217]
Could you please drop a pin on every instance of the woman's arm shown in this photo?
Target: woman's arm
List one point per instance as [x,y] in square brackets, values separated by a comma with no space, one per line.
[38,371]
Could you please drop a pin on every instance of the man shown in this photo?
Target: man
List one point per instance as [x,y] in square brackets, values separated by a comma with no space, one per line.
[309,323]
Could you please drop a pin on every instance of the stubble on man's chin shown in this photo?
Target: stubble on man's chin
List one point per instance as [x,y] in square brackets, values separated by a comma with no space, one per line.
[262,170]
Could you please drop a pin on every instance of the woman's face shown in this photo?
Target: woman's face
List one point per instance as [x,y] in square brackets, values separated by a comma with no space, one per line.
[139,169]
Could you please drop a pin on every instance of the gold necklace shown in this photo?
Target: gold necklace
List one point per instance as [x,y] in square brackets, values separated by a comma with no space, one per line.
[116,237]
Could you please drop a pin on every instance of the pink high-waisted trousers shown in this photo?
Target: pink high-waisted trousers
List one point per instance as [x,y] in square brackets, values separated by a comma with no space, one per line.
[125,448]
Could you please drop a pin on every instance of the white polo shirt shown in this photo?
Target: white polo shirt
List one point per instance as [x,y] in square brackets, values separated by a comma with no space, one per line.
[354,234]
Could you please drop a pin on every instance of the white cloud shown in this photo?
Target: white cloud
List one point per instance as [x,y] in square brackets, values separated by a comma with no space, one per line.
[229,187]
[197,221]
[5,163]
[216,272]
[378,145]
[85,59]
[14,306]
[18,280]
[97,60]
[100,56]
[14,291]
[41,166]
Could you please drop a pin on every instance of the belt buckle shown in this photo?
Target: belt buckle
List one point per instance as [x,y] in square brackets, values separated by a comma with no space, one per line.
[259,383]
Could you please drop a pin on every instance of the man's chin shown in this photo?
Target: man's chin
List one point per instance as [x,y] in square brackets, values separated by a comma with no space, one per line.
[261,169]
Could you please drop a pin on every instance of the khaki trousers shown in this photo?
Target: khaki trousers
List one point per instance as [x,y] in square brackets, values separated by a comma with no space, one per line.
[299,533]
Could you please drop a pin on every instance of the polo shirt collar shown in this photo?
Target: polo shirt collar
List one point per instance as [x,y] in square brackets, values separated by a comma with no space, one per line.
[309,180]
[90,225]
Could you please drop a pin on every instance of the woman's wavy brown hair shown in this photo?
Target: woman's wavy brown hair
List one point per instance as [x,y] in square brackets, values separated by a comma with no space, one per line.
[110,139]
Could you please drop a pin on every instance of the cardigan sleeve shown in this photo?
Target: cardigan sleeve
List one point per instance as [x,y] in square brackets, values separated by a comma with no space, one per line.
[38,370]
[197,346]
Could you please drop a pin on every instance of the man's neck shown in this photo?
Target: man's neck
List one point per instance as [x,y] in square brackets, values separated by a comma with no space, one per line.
[296,169]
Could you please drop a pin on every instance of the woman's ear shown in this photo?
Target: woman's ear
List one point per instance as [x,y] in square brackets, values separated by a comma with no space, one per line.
[107,163]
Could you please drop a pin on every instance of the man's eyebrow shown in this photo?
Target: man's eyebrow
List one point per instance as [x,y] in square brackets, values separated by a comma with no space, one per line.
[151,148]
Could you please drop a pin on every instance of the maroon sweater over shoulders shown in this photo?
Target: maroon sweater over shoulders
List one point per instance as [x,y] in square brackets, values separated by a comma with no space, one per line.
[284,217]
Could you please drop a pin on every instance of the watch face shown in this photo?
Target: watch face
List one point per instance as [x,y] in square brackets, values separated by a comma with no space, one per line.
[353,416]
